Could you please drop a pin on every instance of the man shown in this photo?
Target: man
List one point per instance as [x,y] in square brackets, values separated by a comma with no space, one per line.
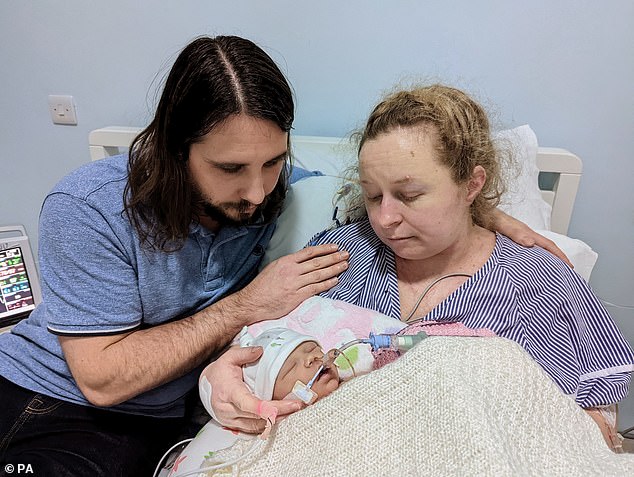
[149,267]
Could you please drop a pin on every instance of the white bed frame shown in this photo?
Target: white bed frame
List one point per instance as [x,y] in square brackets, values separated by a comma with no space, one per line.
[565,166]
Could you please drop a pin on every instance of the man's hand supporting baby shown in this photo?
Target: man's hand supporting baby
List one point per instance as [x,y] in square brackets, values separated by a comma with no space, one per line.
[231,403]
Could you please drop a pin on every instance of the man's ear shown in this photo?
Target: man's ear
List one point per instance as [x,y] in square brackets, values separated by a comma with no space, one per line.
[475,183]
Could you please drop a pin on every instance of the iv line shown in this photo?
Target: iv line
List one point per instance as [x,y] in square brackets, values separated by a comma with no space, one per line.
[257,443]
[411,313]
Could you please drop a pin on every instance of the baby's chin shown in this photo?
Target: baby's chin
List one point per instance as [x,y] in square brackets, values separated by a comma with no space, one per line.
[327,384]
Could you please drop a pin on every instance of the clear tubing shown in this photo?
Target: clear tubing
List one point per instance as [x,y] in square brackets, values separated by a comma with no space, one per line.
[254,447]
[330,359]
[386,341]
[351,343]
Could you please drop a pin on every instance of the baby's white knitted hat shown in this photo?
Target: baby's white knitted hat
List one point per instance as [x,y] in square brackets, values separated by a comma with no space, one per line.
[278,344]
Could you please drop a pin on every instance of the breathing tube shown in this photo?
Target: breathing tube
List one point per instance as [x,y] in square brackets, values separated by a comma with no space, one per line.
[387,341]
[394,342]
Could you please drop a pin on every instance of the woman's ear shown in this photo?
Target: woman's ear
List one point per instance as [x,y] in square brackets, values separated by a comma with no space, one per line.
[475,183]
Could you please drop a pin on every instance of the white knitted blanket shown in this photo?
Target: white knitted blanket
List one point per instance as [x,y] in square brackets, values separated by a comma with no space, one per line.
[450,406]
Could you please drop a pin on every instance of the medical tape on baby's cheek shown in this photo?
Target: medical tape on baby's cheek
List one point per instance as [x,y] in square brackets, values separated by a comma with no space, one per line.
[302,392]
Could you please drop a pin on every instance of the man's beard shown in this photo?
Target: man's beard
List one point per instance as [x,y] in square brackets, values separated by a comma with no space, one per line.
[219,212]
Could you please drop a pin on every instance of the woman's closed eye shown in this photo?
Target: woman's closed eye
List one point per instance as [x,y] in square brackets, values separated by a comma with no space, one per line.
[409,197]
[402,197]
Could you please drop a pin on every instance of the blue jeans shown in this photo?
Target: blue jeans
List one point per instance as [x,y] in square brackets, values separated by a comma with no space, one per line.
[50,437]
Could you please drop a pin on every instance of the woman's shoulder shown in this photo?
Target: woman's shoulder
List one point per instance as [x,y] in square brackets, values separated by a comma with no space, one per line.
[508,248]
[531,262]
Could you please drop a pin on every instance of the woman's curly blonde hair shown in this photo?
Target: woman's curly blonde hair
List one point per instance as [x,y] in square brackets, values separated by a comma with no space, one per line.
[463,140]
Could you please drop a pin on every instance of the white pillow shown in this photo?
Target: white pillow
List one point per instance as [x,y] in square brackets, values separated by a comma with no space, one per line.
[330,155]
[522,199]
[308,209]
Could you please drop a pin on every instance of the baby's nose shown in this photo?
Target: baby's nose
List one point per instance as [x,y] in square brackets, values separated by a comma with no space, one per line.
[314,360]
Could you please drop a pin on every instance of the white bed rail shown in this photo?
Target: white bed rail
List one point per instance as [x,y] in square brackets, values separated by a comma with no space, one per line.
[109,141]
[567,169]
[560,192]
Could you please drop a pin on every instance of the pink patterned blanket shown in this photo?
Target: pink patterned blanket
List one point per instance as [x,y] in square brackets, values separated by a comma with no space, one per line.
[334,323]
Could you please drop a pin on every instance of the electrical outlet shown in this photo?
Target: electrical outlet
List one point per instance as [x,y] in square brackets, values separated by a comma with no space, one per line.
[62,108]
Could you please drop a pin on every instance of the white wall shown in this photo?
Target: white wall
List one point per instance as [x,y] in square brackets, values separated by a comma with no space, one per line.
[564,67]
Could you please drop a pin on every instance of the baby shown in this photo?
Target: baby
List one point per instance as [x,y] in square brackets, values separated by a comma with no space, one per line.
[330,323]
[290,361]
[293,352]
[288,358]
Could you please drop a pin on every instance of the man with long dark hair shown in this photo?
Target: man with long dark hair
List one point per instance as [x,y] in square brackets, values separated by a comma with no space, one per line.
[149,268]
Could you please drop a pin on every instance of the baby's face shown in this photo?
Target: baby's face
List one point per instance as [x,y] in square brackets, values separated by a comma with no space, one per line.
[302,364]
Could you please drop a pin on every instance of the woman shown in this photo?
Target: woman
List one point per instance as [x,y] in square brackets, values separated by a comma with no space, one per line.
[429,181]
[419,248]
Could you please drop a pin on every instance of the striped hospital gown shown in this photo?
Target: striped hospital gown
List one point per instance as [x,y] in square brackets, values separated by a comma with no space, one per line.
[524,294]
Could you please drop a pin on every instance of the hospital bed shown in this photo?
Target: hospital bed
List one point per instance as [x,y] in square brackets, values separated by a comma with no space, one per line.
[541,192]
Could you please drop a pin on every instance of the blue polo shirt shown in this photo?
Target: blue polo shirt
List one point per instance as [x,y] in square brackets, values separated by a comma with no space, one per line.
[97,279]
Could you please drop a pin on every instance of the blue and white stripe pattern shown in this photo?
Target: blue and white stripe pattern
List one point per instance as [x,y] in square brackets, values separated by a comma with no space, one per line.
[523,294]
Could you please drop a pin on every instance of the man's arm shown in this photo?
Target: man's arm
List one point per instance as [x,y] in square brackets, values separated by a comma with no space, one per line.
[113,369]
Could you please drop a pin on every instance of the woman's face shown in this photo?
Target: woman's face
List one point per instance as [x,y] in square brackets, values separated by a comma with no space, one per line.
[413,204]
[302,364]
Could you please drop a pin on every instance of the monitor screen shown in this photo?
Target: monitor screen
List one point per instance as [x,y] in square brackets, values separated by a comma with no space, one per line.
[18,293]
